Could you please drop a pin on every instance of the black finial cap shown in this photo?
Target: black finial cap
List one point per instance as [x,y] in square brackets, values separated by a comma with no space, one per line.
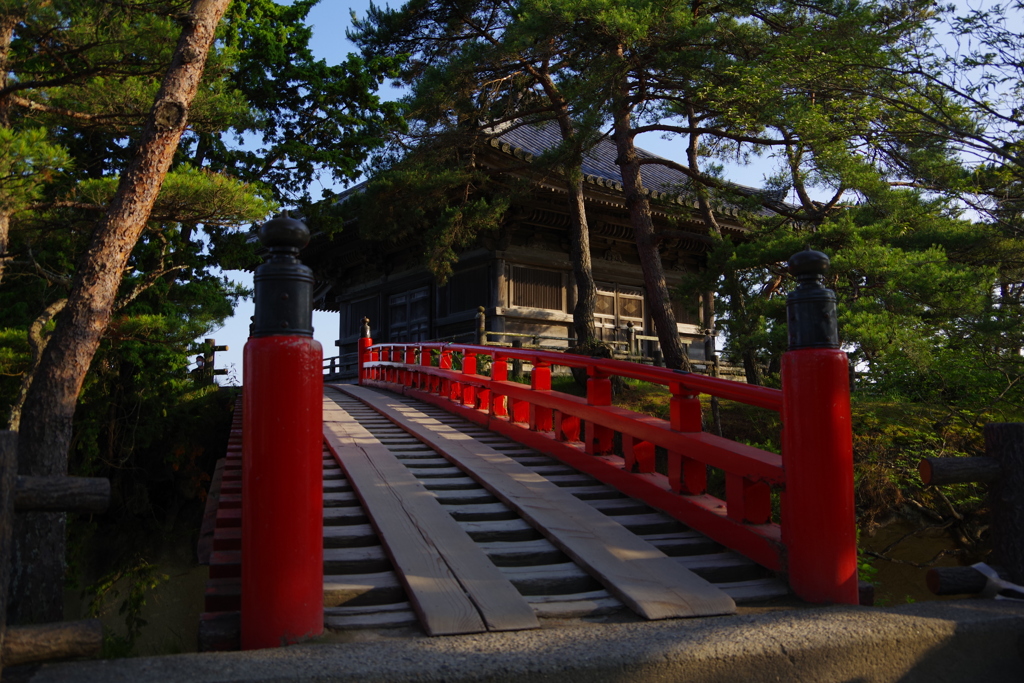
[284,232]
[284,286]
[811,307]
[808,262]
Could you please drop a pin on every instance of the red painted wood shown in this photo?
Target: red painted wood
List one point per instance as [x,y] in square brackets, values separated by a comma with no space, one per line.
[363,355]
[468,396]
[540,417]
[282,491]
[598,439]
[638,455]
[761,543]
[818,516]
[567,427]
[817,504]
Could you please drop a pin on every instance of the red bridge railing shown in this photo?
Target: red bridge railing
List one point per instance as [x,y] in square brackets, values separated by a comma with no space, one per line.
[812,538]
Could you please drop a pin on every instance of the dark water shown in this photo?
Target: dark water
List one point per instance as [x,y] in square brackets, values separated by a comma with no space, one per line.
[897,583]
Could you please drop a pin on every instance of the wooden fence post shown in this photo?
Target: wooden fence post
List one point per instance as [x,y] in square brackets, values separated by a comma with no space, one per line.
[1004,442]
[39,642]
[481,326]
[8,473]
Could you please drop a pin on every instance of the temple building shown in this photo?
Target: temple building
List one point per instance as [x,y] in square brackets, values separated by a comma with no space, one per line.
[521,275]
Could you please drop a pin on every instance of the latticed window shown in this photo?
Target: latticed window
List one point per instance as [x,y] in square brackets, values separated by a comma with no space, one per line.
[465,291]
[619,304]
[536,288]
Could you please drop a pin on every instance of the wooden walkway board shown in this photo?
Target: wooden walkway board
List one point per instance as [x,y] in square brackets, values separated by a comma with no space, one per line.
[452,584]
[654,585]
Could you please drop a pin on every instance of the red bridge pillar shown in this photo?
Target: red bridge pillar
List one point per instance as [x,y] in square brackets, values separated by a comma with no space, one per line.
[818,515]
[362,349]
[282,469]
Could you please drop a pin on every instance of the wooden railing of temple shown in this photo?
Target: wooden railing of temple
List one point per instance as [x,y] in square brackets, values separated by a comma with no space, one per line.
[792,512]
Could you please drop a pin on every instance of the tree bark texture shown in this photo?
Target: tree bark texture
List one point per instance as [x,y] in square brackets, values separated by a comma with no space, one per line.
[45,433]
[579,228]
[1004,442]
[582,268]
[8,475]
[7,24]
[63,640]
[647,245]
[64,494]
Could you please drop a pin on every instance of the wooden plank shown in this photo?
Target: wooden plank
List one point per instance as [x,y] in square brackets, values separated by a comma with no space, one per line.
[648,581]
[452,584]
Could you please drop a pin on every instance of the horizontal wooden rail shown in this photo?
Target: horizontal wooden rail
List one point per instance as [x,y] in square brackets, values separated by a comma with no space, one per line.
[793,511]
[580,431]
[761,397]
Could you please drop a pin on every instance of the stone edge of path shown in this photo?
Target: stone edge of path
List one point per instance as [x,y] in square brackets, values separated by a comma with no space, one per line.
[931,641]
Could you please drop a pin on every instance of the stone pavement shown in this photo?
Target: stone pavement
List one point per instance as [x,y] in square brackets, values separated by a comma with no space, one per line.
[963,640]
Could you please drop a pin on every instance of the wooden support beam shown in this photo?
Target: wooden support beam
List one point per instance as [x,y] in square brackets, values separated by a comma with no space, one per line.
[955,580]
[1004,442]
[8,474]
[61,494]
[44,642]
[940,471]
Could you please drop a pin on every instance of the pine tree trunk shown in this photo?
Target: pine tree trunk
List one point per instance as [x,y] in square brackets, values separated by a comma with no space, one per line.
[582,268]
[45,435]
[7,24]
[643,230]
[579,229]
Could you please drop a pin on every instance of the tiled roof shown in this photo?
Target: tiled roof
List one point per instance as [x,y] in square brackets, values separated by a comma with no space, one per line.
[599,161]
[599,165]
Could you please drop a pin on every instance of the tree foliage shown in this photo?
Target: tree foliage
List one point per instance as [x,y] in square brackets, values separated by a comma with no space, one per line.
[77,94]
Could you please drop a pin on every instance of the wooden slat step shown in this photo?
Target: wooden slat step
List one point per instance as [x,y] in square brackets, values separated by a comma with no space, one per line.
[755,590]
[683,543]
[430,473]
[595,492]
[451,484]
[368,560]
[648,581]
[524,553]
[551,579]
[451,583]
[502,530]
[590,604]
[477,496]
[374,616]
[340,498]
[480,513]
[344,516]
[362,589]
[653,523]
[722,567]
[352,536]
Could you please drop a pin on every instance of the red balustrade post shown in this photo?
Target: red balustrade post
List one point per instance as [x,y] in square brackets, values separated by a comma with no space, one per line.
[598,439]
[444,362]
[499,373]
[818,516]
[410,365]
[362,349]
[685,475]
[469,368]
[282,469]
[427,380]
[540,380]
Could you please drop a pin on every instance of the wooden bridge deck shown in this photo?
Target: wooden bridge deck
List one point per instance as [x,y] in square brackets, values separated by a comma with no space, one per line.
[432,520]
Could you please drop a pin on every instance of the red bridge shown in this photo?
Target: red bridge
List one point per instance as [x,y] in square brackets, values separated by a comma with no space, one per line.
[436,491]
